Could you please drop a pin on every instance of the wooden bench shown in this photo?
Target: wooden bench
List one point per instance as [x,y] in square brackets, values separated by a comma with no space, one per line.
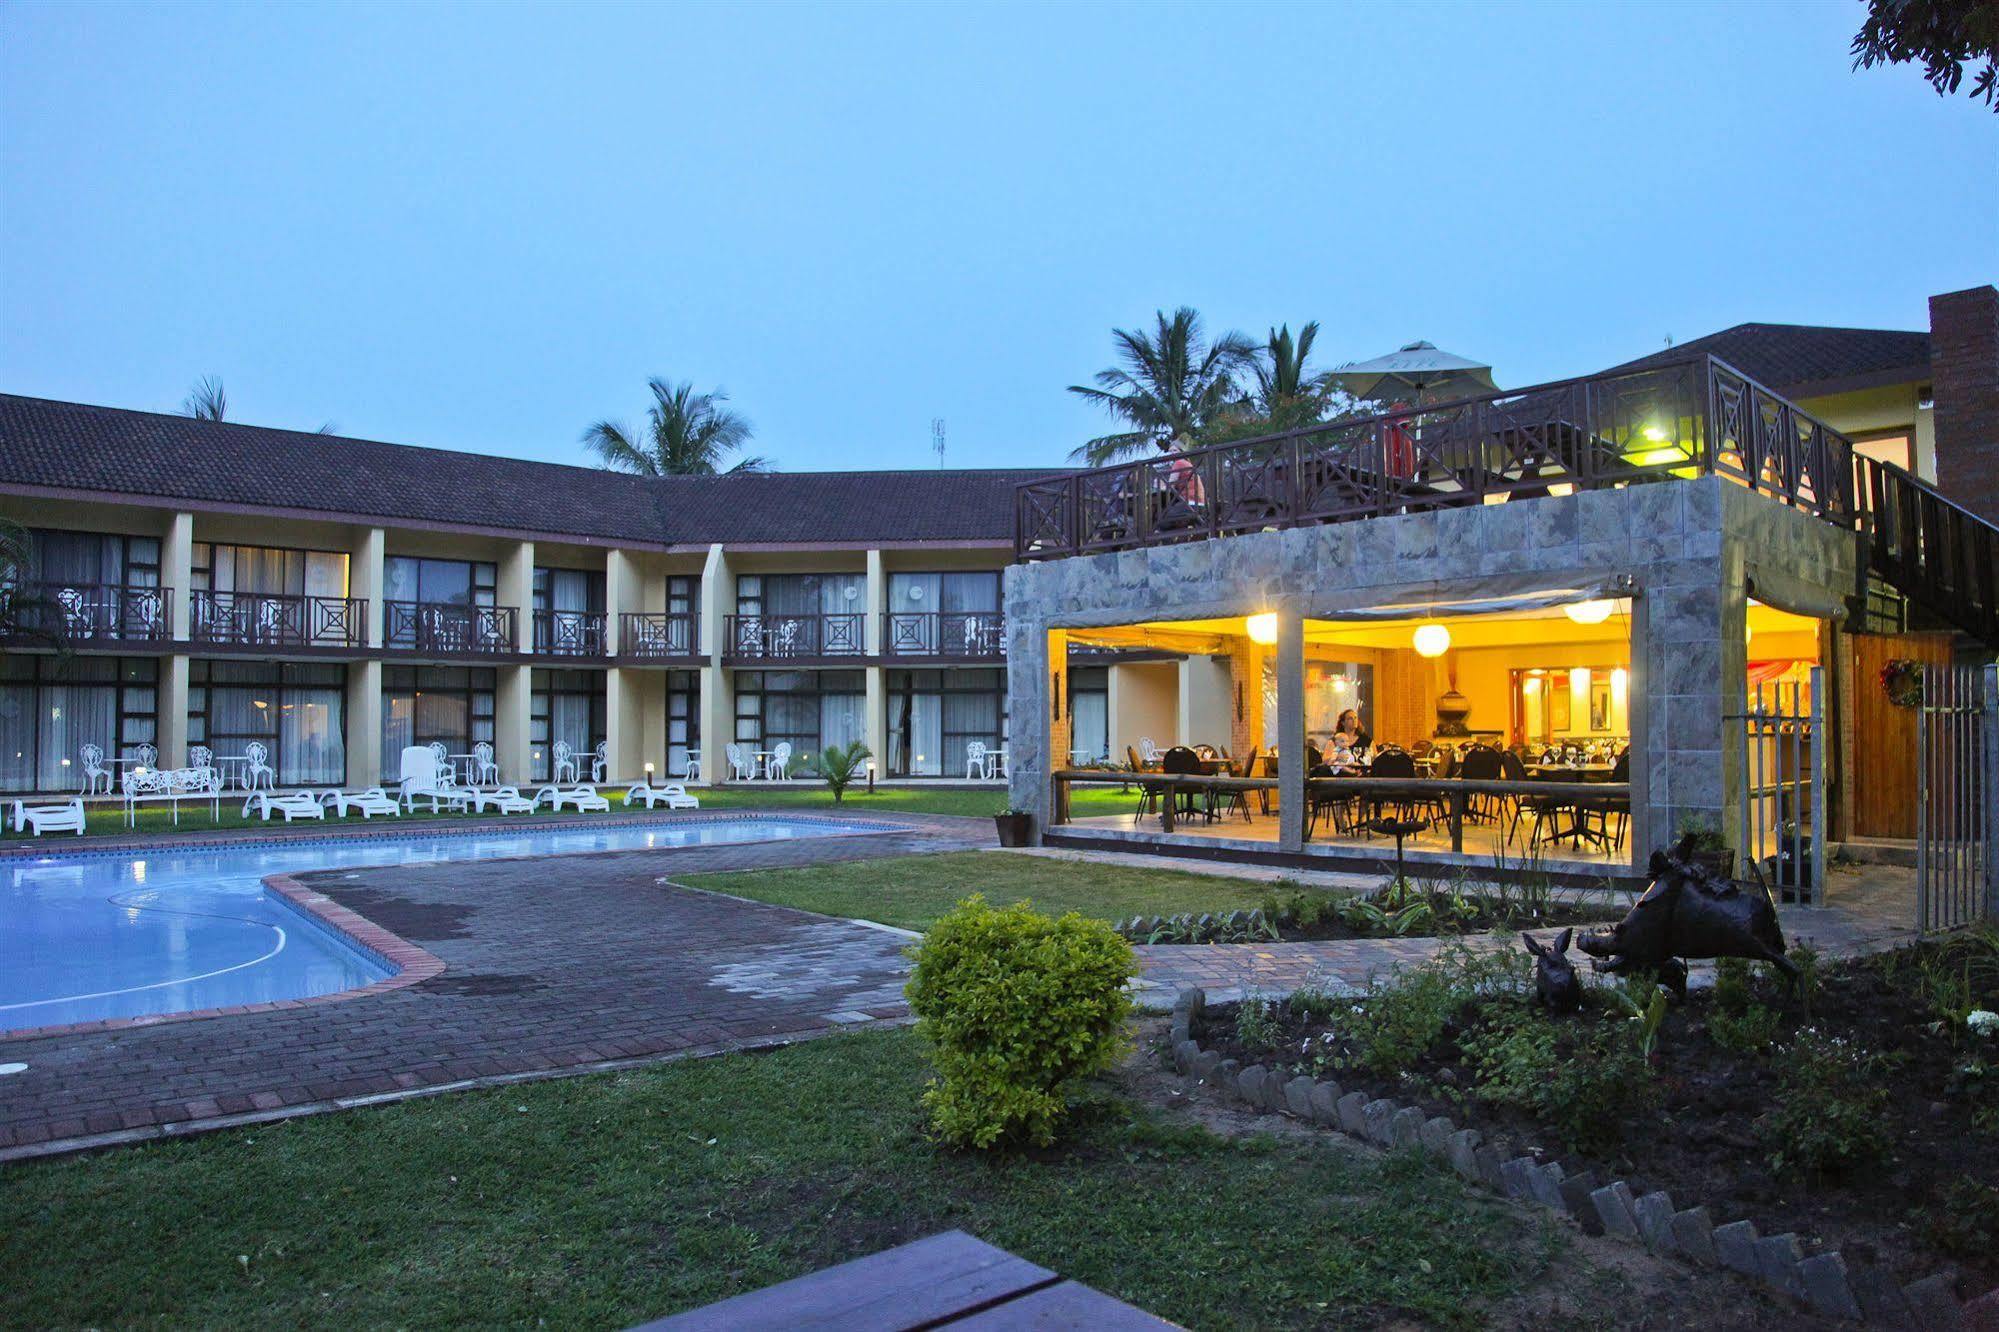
[947,1280]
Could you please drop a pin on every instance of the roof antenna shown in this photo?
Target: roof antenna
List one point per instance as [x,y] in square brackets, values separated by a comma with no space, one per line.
[937,438]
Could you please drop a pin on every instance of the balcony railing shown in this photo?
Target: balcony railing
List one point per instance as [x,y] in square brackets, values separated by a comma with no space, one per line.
[659,634]
[276,619]
[569,633]
[448,629]
[85,613]
[1678,419]
[973,634]
[775,637]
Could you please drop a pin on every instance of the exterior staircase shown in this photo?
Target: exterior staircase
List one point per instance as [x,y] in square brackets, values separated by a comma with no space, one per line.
[1939,554]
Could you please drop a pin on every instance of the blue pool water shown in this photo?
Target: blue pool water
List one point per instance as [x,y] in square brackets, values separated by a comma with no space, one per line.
[170,930]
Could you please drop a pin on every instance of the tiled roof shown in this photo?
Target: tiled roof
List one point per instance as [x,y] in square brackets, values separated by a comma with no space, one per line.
[75,446]
[1799,360]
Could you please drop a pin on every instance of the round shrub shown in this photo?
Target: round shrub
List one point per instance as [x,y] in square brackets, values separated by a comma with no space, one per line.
[1016,1008]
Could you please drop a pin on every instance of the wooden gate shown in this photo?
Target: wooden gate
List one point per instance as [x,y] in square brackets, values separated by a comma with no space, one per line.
[1878,767]
[1957,825]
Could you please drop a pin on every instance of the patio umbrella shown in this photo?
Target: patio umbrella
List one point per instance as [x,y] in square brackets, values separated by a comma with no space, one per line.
[1419,367]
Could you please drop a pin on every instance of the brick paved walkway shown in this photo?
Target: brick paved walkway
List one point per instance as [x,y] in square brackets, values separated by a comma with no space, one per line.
[552,964]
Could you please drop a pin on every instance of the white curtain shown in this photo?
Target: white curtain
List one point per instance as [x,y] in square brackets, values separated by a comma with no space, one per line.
[842,719]
[1089,725]
[325,574]
[312,745]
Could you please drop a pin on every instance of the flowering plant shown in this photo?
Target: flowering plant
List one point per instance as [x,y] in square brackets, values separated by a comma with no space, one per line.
[1983,1022]
[1902,682]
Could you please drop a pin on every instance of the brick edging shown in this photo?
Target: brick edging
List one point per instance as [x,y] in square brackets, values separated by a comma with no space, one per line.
[1821,1282]
[413,966]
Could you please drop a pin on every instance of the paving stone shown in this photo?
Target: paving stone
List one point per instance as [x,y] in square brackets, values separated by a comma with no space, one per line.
[1515,1174]
[1274,1097]
[1613,1204]
[1654,1213]
[1298,1096]
[1576,1201]
[1377,1115]
[1325,1101]
[1225,1073]
[1249,1084]
[1735,1246]
[1934,1304]
[1437,1136]
[1826,1288]
[1545,1182]
[1880,1297]
[1405,1129]
[1778,1257]
[1464,1149]
[1490,1167]
[1353,1114]
[1184,1055]
[1205,1064]
[1693,1235]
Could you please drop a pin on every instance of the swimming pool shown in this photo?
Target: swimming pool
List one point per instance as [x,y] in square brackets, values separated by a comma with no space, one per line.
[174,929]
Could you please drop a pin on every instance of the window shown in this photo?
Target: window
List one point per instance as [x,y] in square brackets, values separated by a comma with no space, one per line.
[268,571]
[566,706]
[683,720]
[445,582]
[683,595]
[50,708]
[92,558]
[1089,713]
[807,709]
[934,715]
[568,590]
[297,711]
[944,593]
[423,705]
[1886,448]
[801,594]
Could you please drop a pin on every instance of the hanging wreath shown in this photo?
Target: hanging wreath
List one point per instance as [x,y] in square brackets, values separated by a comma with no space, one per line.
[1902,682]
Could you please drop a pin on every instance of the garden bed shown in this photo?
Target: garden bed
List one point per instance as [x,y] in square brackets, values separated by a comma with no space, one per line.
[1860,1112]
[1409,909]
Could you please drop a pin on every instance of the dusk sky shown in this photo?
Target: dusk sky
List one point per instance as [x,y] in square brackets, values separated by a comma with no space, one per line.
[483,227]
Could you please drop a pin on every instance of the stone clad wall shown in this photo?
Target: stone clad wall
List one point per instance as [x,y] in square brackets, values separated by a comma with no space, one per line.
[1687,544]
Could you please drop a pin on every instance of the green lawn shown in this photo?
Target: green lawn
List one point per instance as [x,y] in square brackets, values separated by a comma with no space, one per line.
[913,891]
[603,1201]
[109,820]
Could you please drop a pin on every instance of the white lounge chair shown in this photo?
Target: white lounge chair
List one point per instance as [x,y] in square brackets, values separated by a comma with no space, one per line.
[505,799]
[298,805]
[586,800]
[424,778]
[66,817]
[673,795]
[366,803]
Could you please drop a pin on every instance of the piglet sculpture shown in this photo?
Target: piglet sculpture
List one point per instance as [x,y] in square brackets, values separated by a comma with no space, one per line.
[1556,985]
[1688,913]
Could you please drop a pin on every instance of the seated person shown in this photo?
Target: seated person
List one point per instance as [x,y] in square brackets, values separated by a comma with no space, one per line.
[1349,738]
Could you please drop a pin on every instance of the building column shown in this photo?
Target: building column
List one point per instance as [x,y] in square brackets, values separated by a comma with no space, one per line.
[1036,664]
[171,724]
[623,591]
[177,572]
[626,752]
[515,587]
[513,707]
[1290,728]
[875,736]
[718,694]
[877,604]
[364,721]
[367,575]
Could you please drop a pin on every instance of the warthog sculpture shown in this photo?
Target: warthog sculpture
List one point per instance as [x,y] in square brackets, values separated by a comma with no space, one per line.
[1685,913]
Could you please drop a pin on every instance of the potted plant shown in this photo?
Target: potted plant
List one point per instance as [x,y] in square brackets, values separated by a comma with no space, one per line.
[1706,847]
[1015,826]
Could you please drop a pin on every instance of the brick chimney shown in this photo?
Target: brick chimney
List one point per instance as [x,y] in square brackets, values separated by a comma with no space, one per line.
[1964,375]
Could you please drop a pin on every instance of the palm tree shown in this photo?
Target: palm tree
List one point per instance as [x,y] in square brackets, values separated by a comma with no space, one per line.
[686,434]
[1169,386]
[206,401]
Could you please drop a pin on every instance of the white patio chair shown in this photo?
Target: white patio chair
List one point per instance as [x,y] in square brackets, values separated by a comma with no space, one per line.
[484,767]
[145,756]
[740,762]
[976,768]
[673,795]
[94,769]
[298,805]
[144,611]
[66,817]
[565,762]
[600,760]
[366,803]
[785,640]
[270,621]
[779,767]
[583,798]
[257,771]
[693,766]
[1147,751]
[75,612]
[505,799]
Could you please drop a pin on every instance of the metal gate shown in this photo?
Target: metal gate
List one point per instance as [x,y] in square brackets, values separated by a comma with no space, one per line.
[1957,784]
[1780,752]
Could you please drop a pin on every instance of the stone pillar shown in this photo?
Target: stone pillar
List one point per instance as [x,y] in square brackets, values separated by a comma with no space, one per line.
[1964,369]
[367,575]
[177,573]
[513,707]
[364,719]
[1290,728]
[1035,657]
[172,705]
[515,587]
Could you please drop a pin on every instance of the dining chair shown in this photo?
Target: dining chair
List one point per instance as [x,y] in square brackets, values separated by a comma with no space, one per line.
[257,771]
[93,769]
[484,767]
